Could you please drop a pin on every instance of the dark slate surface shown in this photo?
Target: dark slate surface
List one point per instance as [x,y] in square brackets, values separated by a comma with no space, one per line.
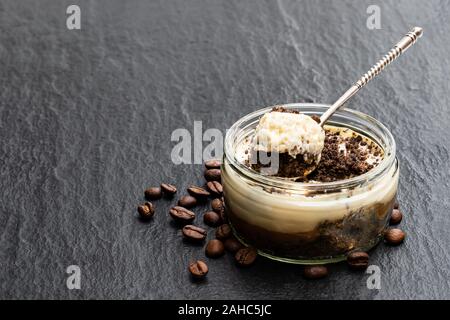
[86,119]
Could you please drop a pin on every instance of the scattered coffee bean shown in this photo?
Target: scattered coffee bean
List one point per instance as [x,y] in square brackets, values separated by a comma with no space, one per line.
[194,233]
[213,164]
[315,272]
[223,232]
[246,256]
[232,245]
[215,187]
[396,217]
[212,175]
[181,214]
[358,260]
[198,192]
[396,204]
[153,193]
[198,269]
[217,205]
[214,248]
[187,201]
[168,189]
[146,211]
[212,218]
[394,236]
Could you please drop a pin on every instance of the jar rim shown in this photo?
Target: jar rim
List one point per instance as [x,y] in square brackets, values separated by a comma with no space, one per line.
[389,148]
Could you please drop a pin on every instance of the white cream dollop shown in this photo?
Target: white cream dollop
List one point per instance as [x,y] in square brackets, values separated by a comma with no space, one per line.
[294,133]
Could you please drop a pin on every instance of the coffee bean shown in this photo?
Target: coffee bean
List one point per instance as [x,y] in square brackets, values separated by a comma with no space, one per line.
[232,245]
[214,248]
[146,211]
[315,272]
[223,232]
[394,236]
[396,204]
[168,189]
[198,269]
[396,217]
[217,205]
[153,193]
[187,201]
[181,214]
[212,218]
[212,175]
[246,256]
[198,192]
[194,233]
[358,260]
[215,187]
[213,164]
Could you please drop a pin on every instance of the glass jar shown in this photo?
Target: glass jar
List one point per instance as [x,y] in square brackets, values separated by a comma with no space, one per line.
[310,223]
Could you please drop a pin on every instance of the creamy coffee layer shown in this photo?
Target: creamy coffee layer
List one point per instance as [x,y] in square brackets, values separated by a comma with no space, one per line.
[300,213]
[291,212]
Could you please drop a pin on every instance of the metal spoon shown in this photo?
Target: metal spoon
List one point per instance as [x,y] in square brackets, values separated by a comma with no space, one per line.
[407,41]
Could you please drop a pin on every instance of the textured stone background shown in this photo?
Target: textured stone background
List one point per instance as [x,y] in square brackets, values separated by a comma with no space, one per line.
[86,118]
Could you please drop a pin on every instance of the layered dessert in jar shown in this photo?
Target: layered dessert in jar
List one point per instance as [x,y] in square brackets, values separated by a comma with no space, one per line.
[301,193]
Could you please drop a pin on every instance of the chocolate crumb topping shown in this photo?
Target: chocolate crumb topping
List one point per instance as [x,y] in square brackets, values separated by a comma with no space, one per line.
[316,118]
[344,157]
[283,109]
[346,154]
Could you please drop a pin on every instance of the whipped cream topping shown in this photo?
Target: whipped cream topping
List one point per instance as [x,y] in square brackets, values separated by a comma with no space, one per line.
[294,133]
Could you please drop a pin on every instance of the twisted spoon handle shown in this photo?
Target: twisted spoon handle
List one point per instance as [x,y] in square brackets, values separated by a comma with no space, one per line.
[407,41]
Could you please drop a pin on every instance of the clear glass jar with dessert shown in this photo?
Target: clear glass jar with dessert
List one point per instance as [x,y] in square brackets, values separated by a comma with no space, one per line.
[343,205]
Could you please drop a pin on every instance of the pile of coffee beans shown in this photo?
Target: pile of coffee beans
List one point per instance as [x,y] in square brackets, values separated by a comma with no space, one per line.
[224,239]
[183,215]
